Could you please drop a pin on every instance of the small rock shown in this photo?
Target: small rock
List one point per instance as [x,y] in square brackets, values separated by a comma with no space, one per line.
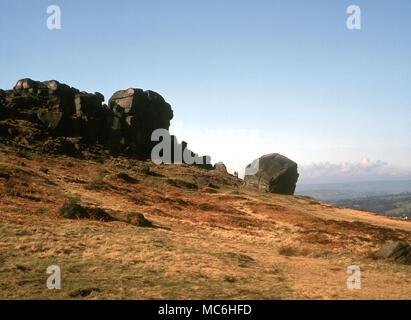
[229,279]
[137,219]
[220,166]
[76,211]
[126,178]
[399,251]
[81,293]
[61,145]
[22,268]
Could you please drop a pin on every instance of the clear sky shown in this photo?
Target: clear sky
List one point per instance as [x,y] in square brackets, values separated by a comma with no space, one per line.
[244,78]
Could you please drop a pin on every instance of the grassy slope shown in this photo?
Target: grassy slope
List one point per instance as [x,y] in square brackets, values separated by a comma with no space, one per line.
[220,241]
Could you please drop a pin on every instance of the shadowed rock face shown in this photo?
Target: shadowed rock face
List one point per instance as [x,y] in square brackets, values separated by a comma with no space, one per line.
[220,166]
[34,113]
[57,109]
[399,251]
[137,113]
[273,173]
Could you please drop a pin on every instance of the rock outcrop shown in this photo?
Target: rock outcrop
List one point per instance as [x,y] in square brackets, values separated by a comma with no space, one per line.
[135,115]
[76,211]
[220,166]
[56,118]
[399,251]
[273,173]
[52,109]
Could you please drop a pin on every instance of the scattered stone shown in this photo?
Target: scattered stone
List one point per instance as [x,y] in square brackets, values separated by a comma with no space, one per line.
[273,173]
[22,268]
[126,178]
[137,219]
[75,211]
[399,251]
[82,293]
[220,166]
[229,279]
[144,169]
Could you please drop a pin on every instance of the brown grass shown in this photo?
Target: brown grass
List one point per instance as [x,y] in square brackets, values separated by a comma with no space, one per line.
[231,243]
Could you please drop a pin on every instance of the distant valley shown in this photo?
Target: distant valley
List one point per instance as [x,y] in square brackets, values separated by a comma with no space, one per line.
[390,198]
[398,205]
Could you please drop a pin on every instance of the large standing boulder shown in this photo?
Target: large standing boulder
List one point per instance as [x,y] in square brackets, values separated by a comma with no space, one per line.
[138,113]
[49,103]
[398,251]
[273,173]
[90,116]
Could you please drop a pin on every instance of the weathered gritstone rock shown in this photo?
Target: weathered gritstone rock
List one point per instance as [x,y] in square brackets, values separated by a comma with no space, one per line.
[56,111]
[273,173]
[139,113]
[49,103]
[62,146]
[220,166]
[399,251]
[76,211]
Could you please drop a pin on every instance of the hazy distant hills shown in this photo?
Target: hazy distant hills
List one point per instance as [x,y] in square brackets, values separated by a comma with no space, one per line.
[398,205]
[353,190]
[390,198]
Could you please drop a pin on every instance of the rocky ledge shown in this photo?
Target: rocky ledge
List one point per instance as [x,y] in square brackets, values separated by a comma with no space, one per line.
[55,118]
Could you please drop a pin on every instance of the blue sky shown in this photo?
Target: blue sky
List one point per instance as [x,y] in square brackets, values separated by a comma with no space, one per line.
[244,78]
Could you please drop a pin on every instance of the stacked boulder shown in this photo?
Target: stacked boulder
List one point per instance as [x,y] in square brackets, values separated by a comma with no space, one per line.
[57,117]
[57,108]
[135,114]
[273,173]
[397,251]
